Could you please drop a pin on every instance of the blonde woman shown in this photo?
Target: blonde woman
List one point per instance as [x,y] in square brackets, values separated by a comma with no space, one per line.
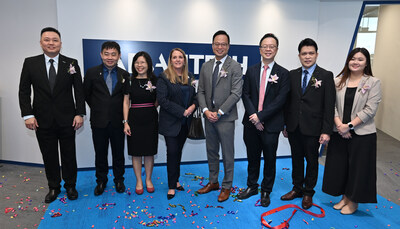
[176,97]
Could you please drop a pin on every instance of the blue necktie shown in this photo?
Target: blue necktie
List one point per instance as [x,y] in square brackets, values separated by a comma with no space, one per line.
[109,82]
[305,81]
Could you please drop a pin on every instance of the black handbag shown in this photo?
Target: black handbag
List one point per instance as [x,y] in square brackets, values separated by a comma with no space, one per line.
[196,131]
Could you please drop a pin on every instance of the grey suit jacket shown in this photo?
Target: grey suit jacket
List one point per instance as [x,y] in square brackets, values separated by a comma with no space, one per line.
[365,104]
[228,89]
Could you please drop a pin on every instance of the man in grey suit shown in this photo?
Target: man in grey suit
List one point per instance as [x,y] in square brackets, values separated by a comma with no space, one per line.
[220,88]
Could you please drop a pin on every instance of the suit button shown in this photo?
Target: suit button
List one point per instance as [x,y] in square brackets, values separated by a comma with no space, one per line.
[301,112]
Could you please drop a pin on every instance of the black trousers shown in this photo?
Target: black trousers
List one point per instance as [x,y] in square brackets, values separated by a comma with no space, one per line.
[350,167]
[101,139]
[256,142]
[174,155]
[50,140]
[303,146]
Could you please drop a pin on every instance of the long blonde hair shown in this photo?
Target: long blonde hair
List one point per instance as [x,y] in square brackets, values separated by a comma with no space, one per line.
[170,72]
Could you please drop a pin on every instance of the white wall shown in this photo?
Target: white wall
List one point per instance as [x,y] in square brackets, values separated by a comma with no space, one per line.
[331,24]
[386,68]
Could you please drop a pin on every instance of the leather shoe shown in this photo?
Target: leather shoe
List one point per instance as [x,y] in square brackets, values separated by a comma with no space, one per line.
[120,186]
[99,189]
[307,202]
[265,200]
[180,188]
[150,190]
[208,188]
[170,196]
[291,195]
[247,193]
[139,191]
[224,195]
[52,195]
[72,194]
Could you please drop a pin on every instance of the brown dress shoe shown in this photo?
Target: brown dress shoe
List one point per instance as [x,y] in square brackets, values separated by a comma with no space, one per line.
[291,195]
[224,195]
[307,202]
[208,188]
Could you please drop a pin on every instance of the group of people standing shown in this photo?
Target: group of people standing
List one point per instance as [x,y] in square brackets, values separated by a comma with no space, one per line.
[308,105]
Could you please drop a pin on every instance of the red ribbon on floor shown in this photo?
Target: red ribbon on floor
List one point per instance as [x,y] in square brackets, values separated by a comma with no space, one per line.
[285,224]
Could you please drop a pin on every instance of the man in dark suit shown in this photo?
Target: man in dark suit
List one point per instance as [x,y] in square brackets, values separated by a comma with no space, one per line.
[265,88]
[103,86]
[309,113]
[220,88]
[56,112]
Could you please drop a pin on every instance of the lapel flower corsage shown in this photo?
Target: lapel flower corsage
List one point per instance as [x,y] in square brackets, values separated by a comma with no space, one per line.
[223,73]
[316,83]
[71,69]
[364,88]
[273,79]
[149,86]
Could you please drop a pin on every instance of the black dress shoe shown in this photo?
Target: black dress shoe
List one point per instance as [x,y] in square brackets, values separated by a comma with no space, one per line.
[170,196]
[52,195]
[99,189]
[265,200]
[72,194]
[247,193]
[180,188]
[120,187]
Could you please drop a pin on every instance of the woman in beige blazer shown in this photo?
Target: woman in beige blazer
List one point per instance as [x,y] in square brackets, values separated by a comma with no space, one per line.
[350,167]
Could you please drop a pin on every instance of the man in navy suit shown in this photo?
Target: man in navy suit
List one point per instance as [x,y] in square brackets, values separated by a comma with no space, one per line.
[103,86]
[265,88]
[309,113]
[56,112]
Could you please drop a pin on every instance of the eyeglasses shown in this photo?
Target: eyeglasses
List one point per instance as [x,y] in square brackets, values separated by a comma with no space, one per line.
[220,44]
[140,63]
[268,47]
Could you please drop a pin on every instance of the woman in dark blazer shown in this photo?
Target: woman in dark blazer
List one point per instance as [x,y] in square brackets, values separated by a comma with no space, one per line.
[176,97]
[350,167]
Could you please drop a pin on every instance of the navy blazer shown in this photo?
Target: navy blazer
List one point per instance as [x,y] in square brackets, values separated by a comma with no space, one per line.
[104,108]
[313,111]
[170,98]
[272,113]
[61,106]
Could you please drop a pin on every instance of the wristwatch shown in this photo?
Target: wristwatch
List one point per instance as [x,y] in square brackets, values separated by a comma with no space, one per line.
[351,126]
[124,121]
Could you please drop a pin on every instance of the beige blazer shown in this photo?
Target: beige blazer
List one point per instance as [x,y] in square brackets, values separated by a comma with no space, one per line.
[365,103]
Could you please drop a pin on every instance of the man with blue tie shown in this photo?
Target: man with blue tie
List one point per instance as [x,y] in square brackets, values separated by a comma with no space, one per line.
[309,113]
[103,86]
[265,88]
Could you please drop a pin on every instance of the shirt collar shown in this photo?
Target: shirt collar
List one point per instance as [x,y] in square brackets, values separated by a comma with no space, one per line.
[105,69]
[47,58]
[270,65]
[222,60]
[310,69]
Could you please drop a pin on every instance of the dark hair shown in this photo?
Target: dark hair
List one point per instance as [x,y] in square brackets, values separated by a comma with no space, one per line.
[111,45]
[272,36]
[308,42]
[221,32]
[150,74]
[50,29]
[345,73]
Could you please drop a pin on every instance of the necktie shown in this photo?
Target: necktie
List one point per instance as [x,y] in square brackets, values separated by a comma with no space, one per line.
[109,82]
[305,81]
[261,94]
[214,81]
[52,75]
